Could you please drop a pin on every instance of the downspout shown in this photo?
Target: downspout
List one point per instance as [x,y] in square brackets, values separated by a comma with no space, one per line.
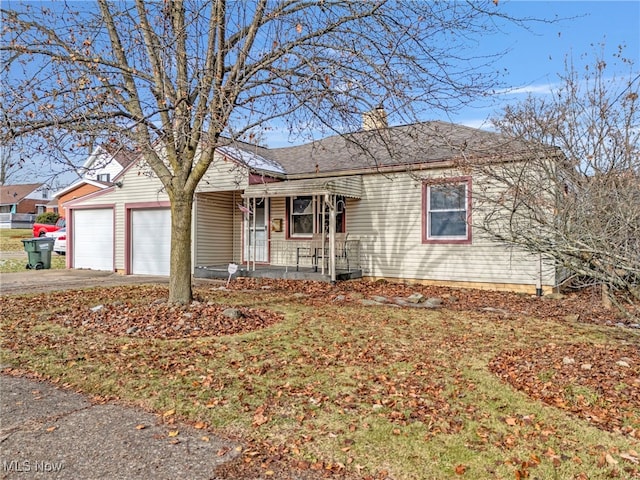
[539,283]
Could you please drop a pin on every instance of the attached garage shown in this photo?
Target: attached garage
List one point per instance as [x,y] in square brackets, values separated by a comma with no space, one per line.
[93,238]
[150,241]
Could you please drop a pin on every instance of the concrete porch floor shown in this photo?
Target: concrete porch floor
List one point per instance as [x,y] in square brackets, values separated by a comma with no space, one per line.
[272,271]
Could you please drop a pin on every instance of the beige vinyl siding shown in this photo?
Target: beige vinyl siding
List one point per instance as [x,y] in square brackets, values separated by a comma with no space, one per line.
[388,222]
[215,217]
[223,175]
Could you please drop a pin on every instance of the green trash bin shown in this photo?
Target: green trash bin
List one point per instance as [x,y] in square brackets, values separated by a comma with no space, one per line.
[39,252]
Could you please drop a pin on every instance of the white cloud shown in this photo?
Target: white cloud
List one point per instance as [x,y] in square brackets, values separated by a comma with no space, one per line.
[543,89]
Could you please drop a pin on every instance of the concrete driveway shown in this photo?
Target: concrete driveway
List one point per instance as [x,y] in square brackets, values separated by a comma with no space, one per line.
[34,281]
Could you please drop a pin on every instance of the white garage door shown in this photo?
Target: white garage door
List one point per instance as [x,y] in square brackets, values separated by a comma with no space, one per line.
[93,239]
[150,241]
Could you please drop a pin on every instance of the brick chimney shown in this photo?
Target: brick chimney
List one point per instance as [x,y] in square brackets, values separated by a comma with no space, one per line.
[374,119]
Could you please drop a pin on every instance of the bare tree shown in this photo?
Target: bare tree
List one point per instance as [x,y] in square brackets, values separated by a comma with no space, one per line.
[174,78]
[578,202]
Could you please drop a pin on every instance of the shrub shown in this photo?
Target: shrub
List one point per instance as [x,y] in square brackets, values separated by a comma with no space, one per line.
[47,217]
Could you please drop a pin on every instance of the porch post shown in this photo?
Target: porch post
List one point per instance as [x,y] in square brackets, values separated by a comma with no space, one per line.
[253,244]
[246,225]
[323,240]
[332,238]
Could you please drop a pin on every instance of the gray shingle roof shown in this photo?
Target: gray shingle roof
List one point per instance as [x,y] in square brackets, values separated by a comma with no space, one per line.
[413,144]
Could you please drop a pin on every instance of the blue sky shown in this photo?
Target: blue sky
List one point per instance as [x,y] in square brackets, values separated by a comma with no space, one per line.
[536,57]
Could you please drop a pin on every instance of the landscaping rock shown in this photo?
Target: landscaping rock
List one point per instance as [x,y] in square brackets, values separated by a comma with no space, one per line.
[434,302]
[232,313]
[416,298]
[369,303]
[553,296]
[380,299]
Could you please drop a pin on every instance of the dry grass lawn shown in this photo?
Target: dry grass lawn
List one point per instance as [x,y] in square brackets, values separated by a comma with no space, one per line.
[322,385]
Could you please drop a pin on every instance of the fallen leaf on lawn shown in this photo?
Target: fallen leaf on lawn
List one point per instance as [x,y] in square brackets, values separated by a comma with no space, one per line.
[204,439]
[601,461]
[200,425]
[610,460]
[460,469]
[168,413]
[51,429]
[140,427]
[511,421]
[631,458]
[173,433]
[259,418]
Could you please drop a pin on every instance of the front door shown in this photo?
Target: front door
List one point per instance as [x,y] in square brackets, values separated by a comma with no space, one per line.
[256,231]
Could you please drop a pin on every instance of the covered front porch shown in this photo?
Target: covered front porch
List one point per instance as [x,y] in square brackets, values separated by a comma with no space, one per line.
[295,229]
[298,228]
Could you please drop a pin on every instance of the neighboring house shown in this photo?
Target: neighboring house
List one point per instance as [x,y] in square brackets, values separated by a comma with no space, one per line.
[99,171]
[28,198]
[402,195]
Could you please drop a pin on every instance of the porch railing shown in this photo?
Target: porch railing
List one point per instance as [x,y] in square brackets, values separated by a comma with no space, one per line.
[286,253]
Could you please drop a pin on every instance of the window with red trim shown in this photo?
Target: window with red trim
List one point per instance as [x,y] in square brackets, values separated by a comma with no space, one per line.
[447,211]
[305,216]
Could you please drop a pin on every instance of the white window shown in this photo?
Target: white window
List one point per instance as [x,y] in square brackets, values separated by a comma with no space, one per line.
[447,211]
[305,216]
[301,216]
[104,177]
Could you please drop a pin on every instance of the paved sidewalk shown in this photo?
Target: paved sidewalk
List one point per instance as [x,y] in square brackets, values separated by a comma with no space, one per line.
[49,433]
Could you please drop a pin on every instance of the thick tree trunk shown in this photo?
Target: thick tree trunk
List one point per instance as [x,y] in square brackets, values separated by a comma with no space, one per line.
[180,280]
